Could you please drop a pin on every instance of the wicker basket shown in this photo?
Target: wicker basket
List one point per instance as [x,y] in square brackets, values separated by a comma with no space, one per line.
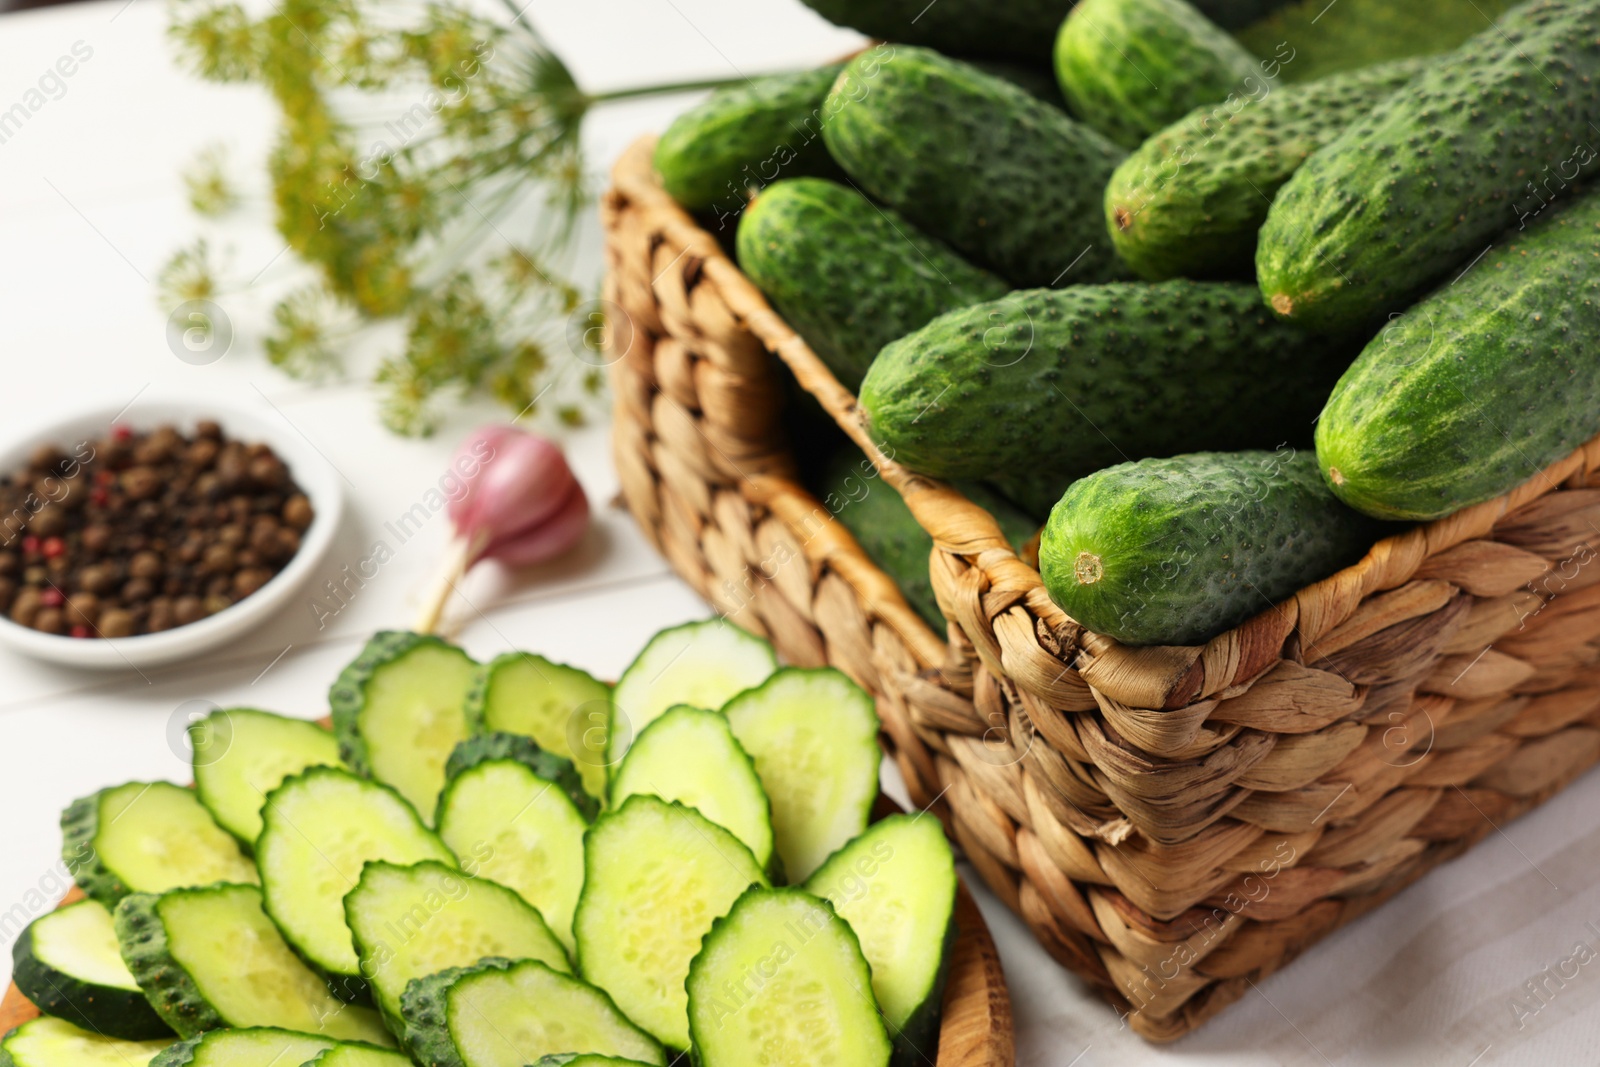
[1172,823]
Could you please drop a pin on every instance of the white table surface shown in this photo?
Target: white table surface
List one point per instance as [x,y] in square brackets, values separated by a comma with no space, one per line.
[91,206]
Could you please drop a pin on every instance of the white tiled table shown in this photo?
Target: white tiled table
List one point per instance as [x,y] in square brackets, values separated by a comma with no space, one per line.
[90,207]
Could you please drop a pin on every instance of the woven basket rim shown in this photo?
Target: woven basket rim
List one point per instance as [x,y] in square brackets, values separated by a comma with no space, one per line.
[960,527]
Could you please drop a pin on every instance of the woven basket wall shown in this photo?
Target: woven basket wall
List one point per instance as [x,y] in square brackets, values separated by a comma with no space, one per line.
[1172,823]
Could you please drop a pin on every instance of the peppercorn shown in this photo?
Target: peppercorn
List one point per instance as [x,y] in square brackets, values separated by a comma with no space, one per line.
[116,622]
[250,580]
[297,512]
[25,606]
[160,616]
[97,578]
[82,609]
[187,609]
[218,559]
[144,531]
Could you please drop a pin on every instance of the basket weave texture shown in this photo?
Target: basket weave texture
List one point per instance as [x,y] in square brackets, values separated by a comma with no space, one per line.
[1172,823]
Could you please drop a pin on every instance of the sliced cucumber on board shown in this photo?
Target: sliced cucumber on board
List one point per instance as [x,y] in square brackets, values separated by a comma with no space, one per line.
[699,663]
[690,755]
[50,1042]
[813,735]
[319,827]
[561,707]
[146,837]
[67,963]
[584,1059]
[398,710]
[508,1014]
[251,1047]
[656,876]
[501,745]
[241,755]
[781,979]
[896,887]
[210,958]
[354,1055]
[511,826]
[410,922]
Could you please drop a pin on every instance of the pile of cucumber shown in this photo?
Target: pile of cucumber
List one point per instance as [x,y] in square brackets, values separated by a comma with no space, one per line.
[1263,277]
[506,864]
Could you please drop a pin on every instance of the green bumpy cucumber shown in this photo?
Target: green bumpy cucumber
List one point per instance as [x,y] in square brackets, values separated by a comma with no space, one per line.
[1130,67]
[1061,382]
[1190,200]
[1176,551]
[1018,29]
[1317,39]
[877,515]
[1412,192]
[1004,178]
[848,275]
[747,136]
[1478,387]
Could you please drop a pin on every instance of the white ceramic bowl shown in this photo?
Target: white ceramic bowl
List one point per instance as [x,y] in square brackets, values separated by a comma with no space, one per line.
[313,473]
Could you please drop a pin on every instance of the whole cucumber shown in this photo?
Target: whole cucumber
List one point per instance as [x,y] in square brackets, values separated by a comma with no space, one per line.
[848,275]
[1176,551]
[1015,29]
[747,136]
[1481,385]
[1190,200]
[1131,67]
[1413,191]
[1325,40]
[890,535]
[1061,382]
[1003,177]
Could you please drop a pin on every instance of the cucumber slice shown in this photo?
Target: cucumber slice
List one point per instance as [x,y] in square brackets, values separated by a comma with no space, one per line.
[584,1059]
[507,1014]
[398,710]
[690,755]
[501,745]
[67,963]
[210,958]
[414,921]
[896,887]
[561,707]
[353,1055]
[253,1047]
[781,981]
[701,664]
[241,755]
[656,876]
[318,828]
[511,826]
[813,734]
[50,1042]
[146,837]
